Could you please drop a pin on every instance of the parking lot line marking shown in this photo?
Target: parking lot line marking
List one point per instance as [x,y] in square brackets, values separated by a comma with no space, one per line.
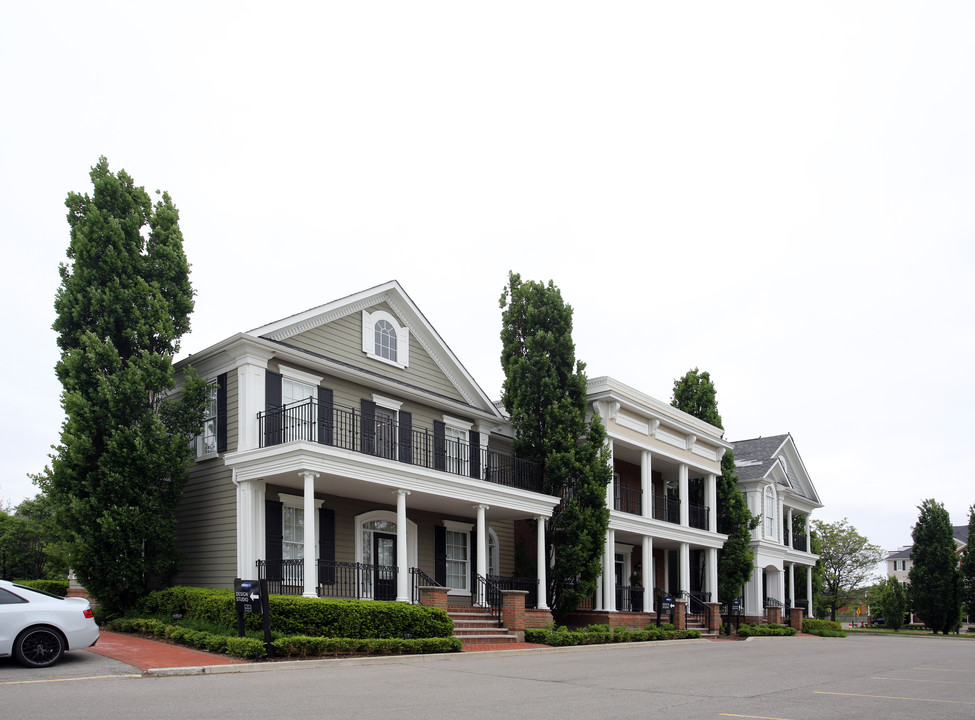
[90,677]
[753,717]
[893,697]
[945,682]
[944,669]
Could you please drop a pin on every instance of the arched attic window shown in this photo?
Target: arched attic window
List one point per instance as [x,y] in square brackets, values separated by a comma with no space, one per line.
[384,339]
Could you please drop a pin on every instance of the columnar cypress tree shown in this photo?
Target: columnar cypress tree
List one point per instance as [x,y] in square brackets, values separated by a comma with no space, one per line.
[544,393]
[695,394]
[935,591]
[124,302]
[968,568]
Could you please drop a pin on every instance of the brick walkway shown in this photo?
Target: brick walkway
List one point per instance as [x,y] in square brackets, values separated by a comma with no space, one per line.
[145,654]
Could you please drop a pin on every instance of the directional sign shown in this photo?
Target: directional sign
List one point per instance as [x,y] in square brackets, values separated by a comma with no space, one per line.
[247,596]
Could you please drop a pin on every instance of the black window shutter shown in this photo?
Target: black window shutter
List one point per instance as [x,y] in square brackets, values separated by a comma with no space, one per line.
[326,422]
[273,538]
[367,427]
[405,436]
[439,445]
[273,417]
[222,412]
[326,546]
[475,453]
[440,554]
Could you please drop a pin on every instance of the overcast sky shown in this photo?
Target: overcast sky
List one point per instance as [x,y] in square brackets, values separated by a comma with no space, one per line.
[778,193]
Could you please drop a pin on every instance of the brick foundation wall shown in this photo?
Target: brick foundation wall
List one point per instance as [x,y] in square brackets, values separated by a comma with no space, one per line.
[629,620]
[538,618]
[433,597]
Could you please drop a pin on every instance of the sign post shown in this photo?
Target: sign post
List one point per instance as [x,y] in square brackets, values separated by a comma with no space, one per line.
[250,598]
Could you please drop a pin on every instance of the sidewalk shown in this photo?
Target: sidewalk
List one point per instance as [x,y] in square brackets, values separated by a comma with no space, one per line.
[154,654]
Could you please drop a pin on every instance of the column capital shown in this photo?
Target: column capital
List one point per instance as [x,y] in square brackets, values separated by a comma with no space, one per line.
[482,506]
[306,474]
[401,491]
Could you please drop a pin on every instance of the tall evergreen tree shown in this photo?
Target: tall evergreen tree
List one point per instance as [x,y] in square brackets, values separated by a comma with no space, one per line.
[123,304]
[544,392]
[968,568]
[935,590]
[695,394]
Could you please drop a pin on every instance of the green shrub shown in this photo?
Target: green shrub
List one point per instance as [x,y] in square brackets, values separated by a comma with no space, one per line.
[770,630]
[245,647]
[823,628]
[55,587]
[301,646]
[596,635]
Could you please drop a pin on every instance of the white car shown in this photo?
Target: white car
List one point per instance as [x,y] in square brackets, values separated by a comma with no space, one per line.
[37,627]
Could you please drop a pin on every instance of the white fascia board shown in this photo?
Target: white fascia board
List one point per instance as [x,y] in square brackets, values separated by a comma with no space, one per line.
[296,457]
[607,388]
[676,456]
[800,558]
[664,530]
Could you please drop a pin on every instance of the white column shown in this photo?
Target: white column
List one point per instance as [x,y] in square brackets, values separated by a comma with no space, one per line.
[250,526]
[808,539]
[646,484]
[781,596]
[599,591]
[779,516]
[792,584]
[682,491]
[711,495]
[609,572]
[481,530]
[809,587]
[402,549]
[647,562]
[684,566]
[788,515]
[250,399]
[310,566]
[542,564]
[712,573]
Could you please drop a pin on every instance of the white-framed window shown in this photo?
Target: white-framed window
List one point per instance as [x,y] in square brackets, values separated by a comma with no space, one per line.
[206,441]
[458,557]
[493,553]
[293,527]
[387,426]
[770,506]
[299,393]
[384,339]
[457,445]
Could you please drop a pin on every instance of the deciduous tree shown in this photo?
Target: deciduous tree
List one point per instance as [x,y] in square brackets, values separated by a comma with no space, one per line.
[122,306]
[544,392]
[695,394]
[935,582]
[847,561]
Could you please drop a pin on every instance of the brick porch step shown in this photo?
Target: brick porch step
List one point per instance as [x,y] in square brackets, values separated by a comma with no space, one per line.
[476,626]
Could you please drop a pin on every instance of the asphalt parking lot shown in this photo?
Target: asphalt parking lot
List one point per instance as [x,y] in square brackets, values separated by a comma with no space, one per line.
[802,678]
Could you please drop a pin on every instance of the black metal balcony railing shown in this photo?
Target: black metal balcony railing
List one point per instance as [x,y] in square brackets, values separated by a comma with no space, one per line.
[666,509]
[347,428]
[799,541]
[698,515]
[627,499]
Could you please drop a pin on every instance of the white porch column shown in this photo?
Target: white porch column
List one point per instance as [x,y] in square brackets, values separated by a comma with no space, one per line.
[682,491]
[647,563]
[310,566]
[402,549]
[250,526]
[788,516]
[809,588]
[792,584]
[482,541]
[711,500]
[684,567]
[542,563]
[646,484]
[609,572]
[781,574]
[808,538]
[250,399]
[712,573]
[599,591]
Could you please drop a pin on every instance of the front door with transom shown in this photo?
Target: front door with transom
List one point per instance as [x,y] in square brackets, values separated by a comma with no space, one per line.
[384,565]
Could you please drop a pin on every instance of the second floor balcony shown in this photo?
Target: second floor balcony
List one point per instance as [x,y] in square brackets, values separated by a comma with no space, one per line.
[381,436]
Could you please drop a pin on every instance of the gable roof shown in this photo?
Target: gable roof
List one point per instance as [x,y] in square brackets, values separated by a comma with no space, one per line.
[756,459]
[392,294]
[961,534]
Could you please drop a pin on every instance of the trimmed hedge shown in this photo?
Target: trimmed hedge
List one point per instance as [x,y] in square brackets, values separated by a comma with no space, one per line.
[55,587]
[823,628]
[313,617]
[770,630]
[600,635]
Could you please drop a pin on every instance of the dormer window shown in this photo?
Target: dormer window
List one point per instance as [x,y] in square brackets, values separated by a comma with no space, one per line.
[384,339]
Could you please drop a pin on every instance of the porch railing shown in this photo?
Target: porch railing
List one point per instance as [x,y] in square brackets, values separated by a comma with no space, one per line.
[530,585]
[627,499]
[629,598]
[799,541]
[419,579]
[359,581]
[348,429]
[698,515]
[666,509]
[697,608]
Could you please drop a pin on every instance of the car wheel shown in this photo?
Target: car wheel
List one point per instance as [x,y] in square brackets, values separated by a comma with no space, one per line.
[39,647]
